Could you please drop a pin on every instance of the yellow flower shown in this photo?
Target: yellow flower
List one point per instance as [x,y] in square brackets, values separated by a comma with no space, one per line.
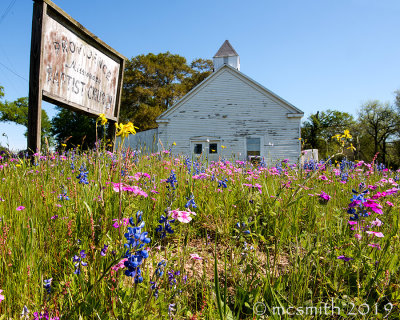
[102,118]
[63,145]
[346,134]
[18,165]
[174,144]
[300,138]
[337,136]
[223,147]
[351,147]
[125,129]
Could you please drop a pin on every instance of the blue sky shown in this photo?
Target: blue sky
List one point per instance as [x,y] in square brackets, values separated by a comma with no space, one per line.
[316,54]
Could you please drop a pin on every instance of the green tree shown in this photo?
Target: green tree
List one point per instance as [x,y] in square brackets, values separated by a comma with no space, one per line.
[153,83]
[379,123]
[317,131]
[17,112]
[73,129]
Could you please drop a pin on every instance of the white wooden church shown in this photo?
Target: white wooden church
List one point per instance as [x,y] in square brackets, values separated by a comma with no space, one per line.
[229,115]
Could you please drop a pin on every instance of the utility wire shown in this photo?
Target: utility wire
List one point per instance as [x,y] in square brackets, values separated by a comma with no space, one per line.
[5,13]
[13,72]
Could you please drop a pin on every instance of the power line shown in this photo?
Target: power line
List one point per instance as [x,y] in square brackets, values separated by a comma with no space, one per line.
[13,72]
[7,10]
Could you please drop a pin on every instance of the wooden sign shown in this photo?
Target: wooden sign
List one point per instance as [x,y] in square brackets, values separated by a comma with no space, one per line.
[70,67]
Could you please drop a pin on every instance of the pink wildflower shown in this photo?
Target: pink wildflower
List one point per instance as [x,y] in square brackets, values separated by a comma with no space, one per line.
[357,236]
[324,197]
[20,208]
[376,207]
[1,296]
[352,223]
[195,256]
[376,234]
[391,191]
[134,189]
[376,222]
[374,245]
[182,216]
[389,204]
[119,265]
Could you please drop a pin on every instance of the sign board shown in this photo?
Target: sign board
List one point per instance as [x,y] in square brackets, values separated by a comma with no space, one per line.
[70,67]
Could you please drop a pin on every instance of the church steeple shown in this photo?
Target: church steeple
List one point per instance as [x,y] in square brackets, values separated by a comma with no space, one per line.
[226,55]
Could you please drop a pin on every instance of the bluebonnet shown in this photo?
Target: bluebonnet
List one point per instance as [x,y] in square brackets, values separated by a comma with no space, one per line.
[104,250]
[310,165]
[136,252]
[262,163]
[63,195]
[171,309]
[355,207]
[196,167]
[172,278]
[79,261]
[47,285]
[191,202]
[222,183]
[165,226]
[83,175]
[246,248]
[154,288]
[380,166]
[172,180]
[188,165]
[242,228]
[160,268]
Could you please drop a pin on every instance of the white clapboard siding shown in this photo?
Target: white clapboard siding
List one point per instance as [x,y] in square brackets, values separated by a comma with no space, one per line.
[232,107]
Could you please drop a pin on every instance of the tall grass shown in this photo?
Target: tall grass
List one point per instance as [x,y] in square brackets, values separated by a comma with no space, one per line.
[268,243]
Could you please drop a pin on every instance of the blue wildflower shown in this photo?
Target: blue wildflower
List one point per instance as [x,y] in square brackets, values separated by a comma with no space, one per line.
[47,285]
[191,202]
[104,250]
[172,180]
[136,252]
[154,288]
[165,226]
[160,268]
[242,228]
[222,183]
[83,175]
[63,195]
[79,261]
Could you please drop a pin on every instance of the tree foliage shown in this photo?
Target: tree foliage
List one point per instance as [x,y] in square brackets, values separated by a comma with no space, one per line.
[153,83]
[318,129]
[73,129]
[17,112]
[380,123]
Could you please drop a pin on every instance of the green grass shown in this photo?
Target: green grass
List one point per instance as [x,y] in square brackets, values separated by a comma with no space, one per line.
[288,259]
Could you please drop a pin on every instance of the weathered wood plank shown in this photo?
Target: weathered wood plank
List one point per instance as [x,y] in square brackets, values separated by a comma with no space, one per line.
[35,83]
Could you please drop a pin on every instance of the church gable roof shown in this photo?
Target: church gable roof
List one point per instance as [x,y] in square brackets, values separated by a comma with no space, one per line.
[164,116]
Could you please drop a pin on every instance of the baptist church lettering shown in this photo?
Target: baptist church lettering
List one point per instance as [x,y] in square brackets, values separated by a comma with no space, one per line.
[78,72]
[69,47]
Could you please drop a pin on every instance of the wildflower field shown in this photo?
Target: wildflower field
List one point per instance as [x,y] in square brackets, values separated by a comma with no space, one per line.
[101,235]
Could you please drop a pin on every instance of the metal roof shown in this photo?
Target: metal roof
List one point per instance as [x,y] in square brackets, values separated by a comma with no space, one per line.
[226,50]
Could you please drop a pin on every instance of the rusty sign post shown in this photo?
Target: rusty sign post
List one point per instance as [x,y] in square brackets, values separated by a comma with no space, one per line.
[72,68]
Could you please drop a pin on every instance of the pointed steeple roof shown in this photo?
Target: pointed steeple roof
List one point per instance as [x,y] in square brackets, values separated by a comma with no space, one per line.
[226,50]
